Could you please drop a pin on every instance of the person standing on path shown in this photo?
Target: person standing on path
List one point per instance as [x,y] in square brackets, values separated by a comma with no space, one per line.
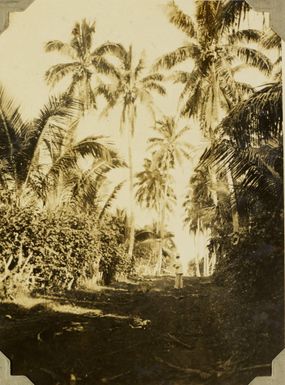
[178,273]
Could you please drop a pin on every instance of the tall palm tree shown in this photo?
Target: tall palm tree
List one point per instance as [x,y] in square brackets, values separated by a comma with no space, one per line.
[211,86]
[131,88]
[214,44]
[155,191]
[251,145]
[84,60]
[169,149]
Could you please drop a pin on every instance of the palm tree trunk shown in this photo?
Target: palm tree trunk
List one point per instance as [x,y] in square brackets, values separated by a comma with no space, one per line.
[160,244]
[217,118]
[213,262]
[162,220]
[131,196]
[206,272]
[197,267]
[161,235]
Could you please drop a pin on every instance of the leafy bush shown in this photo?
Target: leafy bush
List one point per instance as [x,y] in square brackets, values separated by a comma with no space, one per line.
[145,258]
[254,265]
[113,250]
[44,250]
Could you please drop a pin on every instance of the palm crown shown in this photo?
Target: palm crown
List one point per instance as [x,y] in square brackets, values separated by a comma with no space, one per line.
[216,51]
[131,86]
[85,60]
[169,147]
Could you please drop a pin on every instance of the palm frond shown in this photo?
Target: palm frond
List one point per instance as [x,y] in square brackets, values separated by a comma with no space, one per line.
[254,58]
[104,67]
[181,54]
[59,71]
[64,48]
[108,92]
[232,13]
[154,86]
[110,200]
[139,67]
[13,131]
[82,37]
[181,20]
[93,146]
[256,119]
[154,77]
[245,35]
[115,49]
[271,40]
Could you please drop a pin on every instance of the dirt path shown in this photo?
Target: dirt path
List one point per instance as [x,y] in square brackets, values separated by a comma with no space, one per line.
[143,334]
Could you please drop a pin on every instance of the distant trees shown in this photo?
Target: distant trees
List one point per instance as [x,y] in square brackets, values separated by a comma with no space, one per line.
[131,87]
[219,49]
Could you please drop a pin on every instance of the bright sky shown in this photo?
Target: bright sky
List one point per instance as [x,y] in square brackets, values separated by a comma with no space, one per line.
[140,23]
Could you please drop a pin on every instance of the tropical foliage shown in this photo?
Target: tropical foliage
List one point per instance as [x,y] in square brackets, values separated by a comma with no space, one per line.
[84,61]
[57,194]
[215,49]
[132,87]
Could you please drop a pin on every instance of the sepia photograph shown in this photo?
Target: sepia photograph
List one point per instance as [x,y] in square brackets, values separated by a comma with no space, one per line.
[141,193]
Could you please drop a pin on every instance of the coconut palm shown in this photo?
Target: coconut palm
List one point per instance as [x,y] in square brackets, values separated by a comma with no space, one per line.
[131,88]
[34,155]
[22,141]
[84,60]
[155,191]
[90,191]
[251,142]
[211,90]
[169,150]
[211,86]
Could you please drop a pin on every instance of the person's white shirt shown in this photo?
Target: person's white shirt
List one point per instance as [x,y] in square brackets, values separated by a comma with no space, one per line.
[178,267]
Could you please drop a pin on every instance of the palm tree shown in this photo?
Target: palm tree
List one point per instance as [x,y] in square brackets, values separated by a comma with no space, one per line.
[251,143]
[21,141]
[130,89]
[34,154]
[211,86]
[84,60]
[169,150]
[200,212]
[155,191]
[211,90]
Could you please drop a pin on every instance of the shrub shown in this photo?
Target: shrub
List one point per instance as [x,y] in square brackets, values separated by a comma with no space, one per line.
[44,250]
[145,258]
[113,250]
[254,266]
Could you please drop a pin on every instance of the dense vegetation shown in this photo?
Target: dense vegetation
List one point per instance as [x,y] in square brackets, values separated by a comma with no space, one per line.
[57,221]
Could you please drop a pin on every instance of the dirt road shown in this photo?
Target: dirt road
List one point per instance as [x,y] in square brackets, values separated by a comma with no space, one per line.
[143,333]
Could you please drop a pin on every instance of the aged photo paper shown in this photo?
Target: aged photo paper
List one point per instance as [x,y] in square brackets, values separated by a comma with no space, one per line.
[141,192]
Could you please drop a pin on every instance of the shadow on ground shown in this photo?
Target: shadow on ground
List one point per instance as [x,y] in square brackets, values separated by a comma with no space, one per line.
[143,333]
